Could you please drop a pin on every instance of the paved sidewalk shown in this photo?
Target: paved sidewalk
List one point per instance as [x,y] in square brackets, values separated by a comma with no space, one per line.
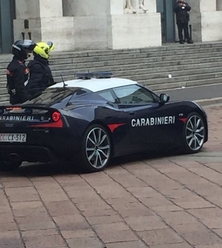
[168,202]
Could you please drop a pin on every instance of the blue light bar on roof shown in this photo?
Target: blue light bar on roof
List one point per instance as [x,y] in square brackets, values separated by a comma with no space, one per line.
[103,74]
[84,75]
[88,75]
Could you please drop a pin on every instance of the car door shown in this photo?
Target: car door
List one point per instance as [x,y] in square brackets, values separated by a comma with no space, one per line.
[150,123]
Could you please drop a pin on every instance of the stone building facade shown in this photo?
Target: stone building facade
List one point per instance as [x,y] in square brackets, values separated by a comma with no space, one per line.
[107,24]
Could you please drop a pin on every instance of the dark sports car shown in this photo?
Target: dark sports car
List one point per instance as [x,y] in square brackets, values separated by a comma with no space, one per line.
[94,118]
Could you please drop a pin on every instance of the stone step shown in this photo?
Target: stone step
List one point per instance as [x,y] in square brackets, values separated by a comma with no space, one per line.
[66,71]
[184,78]
[150,69]
[69,63]
[175,74]
[79,64]
[122,54]
[189,65]
[158,74]
[182,83]
[167,86]
[175,49]
[160,79]
[4,98]
[152,51]
[3,91]
[142,73]
[144,55]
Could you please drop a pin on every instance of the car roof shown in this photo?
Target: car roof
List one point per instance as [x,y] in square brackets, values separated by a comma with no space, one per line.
[95,84]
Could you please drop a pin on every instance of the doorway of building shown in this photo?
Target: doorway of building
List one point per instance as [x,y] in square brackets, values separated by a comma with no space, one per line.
[165,8]
[7,14]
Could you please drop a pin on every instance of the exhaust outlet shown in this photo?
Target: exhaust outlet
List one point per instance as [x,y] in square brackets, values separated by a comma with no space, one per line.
[14,157]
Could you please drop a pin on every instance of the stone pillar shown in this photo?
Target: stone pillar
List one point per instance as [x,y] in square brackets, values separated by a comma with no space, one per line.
[29,9]
[100,24]
[211,20]
[206,20]
[207,6]
[45,22]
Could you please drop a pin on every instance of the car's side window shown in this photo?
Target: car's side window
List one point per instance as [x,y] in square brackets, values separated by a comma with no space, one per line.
[133,95]
[107,94]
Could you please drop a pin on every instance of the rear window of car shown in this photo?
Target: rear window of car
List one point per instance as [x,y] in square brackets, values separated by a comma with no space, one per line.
[56,95]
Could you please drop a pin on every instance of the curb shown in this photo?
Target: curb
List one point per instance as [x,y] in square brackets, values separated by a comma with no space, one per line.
[211,101]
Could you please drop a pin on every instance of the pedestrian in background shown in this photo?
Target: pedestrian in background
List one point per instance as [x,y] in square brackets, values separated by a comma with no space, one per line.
[40,73]
[181,9]
[17,71]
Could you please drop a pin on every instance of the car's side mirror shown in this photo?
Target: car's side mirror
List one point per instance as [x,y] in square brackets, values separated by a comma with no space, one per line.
[164,98]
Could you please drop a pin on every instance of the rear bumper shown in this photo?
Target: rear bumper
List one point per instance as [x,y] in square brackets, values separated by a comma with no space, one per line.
[28,153]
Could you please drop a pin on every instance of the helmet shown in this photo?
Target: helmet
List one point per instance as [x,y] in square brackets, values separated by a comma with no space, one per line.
[21,48]
[43,49]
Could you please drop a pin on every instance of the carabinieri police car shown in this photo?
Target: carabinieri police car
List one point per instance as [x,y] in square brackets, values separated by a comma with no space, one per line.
[94,118]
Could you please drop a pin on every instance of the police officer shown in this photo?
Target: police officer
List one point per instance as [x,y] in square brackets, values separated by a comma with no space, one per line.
[181,8]
[17,72]
[40,72]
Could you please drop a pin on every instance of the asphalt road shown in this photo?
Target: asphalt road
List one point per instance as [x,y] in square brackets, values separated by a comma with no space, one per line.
[195,93]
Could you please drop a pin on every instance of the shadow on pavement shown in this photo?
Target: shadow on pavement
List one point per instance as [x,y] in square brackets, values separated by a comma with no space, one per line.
[41,170]
[64,168]
[144,156]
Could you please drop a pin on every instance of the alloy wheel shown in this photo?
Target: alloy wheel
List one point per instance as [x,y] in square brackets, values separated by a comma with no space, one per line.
[97,147]
[194,133]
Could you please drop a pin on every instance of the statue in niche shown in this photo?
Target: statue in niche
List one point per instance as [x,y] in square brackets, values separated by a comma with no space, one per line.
[141,5]
[127,6]
[131,5]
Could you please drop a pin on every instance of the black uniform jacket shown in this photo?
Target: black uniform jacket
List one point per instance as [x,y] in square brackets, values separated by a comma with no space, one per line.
[17,75]
[182,15]
[40,75]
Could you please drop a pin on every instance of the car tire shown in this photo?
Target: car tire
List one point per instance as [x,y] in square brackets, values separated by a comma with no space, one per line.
[194,133]
[96,149]
[7,165]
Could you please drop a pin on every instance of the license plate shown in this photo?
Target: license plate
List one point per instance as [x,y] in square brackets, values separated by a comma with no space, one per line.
[12,137]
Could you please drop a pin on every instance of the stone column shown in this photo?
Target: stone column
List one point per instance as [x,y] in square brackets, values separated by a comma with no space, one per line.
[100,24]
[45,22]
[211,20]
[206,20]
[207,6]
[30,9]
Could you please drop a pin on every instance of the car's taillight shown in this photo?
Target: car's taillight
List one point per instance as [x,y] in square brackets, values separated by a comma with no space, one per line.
[56,116]
[56,121]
